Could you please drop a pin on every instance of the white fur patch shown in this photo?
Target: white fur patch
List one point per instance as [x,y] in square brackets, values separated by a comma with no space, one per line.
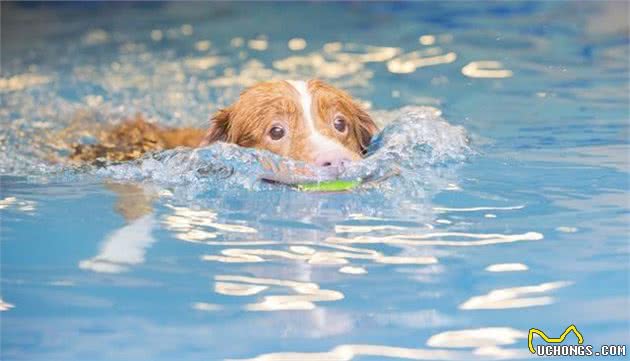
[305,101]
[321,143]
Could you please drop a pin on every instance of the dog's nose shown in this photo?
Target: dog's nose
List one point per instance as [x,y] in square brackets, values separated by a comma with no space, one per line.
[332,160]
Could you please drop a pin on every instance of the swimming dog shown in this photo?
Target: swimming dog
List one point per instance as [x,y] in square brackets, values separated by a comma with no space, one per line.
[310,121]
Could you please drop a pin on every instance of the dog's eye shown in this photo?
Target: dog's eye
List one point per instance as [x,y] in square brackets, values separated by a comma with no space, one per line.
[340,124]
[276,132]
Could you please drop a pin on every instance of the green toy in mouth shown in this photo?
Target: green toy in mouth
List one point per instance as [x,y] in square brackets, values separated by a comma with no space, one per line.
[329,186]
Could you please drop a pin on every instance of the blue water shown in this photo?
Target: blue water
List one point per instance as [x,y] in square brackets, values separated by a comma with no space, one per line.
[498,199]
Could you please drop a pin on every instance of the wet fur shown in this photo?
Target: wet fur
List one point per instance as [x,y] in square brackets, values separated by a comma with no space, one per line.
[133,138]
[244,123]
[248,120]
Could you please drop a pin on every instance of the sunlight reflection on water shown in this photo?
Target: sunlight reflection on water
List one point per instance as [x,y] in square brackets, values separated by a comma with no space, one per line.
[507,209]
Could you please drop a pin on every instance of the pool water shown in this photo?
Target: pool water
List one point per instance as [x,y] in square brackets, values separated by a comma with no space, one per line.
[498,199]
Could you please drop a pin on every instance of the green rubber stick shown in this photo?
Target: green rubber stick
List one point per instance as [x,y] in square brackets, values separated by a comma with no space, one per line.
[329,186]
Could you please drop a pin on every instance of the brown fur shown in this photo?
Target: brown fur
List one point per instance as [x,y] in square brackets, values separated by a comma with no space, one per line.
[131,139]
[329,101]
[249,119]
[246,123]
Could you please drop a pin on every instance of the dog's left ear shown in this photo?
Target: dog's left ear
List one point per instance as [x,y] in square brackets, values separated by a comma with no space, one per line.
[219,127]
[365,130]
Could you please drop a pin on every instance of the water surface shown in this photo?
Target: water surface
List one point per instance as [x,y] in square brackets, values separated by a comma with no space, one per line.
[507,124]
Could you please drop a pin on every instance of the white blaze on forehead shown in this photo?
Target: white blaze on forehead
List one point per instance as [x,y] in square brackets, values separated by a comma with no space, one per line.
[321,142]
[305,101]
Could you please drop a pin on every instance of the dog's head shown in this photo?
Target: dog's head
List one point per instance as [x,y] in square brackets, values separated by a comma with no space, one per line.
[309,121]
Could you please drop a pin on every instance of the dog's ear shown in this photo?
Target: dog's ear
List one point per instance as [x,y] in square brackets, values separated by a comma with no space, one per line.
[365,129]
[219,127]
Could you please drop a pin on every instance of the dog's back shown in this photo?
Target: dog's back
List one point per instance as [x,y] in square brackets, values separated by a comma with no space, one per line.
[310,121]
[133,138]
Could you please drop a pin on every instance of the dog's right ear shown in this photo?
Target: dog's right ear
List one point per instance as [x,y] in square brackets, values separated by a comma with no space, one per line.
[219,127]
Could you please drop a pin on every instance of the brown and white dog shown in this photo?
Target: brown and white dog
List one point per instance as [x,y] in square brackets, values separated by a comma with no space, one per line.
[309,121]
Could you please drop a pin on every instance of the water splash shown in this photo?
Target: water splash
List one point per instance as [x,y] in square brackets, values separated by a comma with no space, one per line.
[408,147]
